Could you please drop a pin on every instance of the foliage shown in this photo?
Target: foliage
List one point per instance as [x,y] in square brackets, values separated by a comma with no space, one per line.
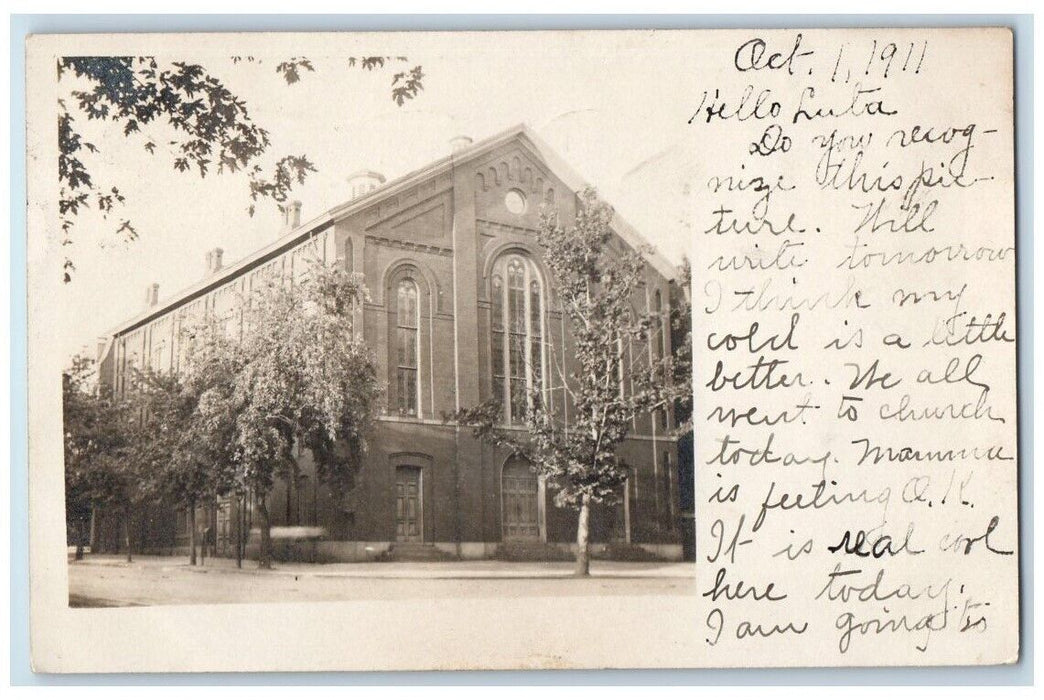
[116,449]
[291,69]
[236,411]
[407,84]
[88,434]
[185,442]
[297,378]
[101,445]
[206,127]
[681,344]
[303,377]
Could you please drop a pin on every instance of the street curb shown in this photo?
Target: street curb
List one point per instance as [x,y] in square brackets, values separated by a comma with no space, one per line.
[397,575]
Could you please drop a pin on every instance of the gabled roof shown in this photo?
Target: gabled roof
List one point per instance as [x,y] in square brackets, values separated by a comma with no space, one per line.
[552,160]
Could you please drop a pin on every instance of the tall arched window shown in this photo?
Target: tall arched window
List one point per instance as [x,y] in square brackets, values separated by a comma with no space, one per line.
[349,259]
[658,345]
[407,321]
[624,363]
[658,324]
[518,333]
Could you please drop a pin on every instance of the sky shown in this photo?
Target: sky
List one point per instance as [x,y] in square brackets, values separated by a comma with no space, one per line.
[615,107]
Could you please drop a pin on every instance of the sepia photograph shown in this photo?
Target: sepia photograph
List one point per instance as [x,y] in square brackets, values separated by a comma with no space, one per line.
[378,345]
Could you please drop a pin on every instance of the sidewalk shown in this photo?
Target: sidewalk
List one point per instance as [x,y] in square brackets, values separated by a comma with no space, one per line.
[475,569]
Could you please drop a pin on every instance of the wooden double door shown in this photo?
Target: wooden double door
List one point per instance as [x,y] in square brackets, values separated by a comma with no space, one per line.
[520,492]
[409,505]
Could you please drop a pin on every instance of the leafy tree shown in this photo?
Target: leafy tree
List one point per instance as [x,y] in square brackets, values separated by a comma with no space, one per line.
[594,285]
[86,433]
[143,449]
[203,463]
[234,414]
[185,452]
[303,381]
[102,433]
[205,126]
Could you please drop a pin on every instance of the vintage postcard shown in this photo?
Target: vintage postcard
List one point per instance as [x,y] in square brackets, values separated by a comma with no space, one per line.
[522,350]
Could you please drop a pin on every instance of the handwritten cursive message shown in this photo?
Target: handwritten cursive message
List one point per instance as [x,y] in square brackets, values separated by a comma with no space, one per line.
[854,316]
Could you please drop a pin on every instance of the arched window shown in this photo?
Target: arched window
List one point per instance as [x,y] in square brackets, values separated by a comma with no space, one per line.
[517,335]
[658,324]
[624,362]
[658,345]
[349,260]
[407,322]
[348,263]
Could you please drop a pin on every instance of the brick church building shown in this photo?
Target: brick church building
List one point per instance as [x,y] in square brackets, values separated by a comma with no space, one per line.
[449,255]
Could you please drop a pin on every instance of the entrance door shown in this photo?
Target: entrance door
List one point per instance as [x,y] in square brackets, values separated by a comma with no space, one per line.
[519,487]
[408,504]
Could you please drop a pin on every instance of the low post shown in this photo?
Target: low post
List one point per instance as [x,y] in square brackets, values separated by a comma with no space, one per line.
[238,530]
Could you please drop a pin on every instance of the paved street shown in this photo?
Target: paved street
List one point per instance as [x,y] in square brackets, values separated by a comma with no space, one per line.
[102,580]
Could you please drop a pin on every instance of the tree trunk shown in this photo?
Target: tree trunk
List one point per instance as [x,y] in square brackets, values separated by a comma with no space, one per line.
[79,538]
[206,535]
[126,536]
[264,557]
[211,529]
[93,543]
[192,533]
[583,554]
[289,494]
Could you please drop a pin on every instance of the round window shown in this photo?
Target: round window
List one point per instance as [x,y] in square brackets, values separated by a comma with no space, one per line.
[515,201]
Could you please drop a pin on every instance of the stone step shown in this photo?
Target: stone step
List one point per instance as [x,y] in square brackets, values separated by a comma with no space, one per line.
[408,551]
[549,551]
[623,551]
[533,551]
